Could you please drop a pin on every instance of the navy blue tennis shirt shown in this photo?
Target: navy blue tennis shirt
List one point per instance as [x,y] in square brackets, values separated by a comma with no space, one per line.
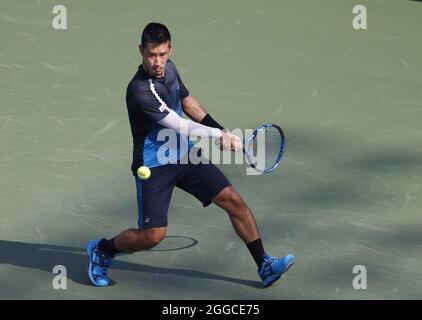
[148,101]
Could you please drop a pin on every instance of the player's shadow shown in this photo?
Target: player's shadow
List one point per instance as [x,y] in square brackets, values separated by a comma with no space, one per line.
[45,256]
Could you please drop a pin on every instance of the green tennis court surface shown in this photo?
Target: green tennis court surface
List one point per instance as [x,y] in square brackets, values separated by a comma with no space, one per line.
[348,191]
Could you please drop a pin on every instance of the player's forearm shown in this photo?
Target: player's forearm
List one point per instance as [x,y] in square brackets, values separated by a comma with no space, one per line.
[197,113]
[193,109]
[187,127]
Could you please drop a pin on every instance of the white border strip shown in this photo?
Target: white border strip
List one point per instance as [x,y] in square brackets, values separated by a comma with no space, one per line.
[163,104]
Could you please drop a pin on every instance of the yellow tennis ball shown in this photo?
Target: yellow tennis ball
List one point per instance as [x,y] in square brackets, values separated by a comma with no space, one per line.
[144,172]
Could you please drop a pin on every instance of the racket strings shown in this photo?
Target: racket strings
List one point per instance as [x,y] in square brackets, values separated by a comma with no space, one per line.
[273,143]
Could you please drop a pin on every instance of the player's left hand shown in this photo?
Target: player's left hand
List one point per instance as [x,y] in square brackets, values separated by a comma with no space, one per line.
[230,141]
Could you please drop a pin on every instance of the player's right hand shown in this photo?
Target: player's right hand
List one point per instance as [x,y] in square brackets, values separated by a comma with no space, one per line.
[230,141]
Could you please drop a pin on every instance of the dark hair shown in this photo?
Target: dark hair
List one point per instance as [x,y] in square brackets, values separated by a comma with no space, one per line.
[155,32]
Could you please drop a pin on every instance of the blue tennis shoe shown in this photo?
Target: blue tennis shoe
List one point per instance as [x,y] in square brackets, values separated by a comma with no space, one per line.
[272,268]
[99,262]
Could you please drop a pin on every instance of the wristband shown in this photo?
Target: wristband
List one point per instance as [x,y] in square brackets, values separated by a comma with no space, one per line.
[210,122]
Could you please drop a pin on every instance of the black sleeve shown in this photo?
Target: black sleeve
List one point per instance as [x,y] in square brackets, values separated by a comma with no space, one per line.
[153,101]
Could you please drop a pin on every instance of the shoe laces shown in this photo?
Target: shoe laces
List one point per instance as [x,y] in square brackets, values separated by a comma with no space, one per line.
[267,265]
[103,261]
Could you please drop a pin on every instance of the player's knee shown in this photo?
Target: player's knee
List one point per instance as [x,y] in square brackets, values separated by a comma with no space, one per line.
[152,242]
[236,201]
[155,236]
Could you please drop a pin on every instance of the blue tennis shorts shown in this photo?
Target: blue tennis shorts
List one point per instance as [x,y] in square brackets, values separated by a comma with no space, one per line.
[204,181]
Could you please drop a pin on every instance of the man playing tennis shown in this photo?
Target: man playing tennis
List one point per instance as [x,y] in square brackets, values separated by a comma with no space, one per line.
[156,98]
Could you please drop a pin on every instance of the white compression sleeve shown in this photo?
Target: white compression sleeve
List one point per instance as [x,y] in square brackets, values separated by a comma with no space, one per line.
[188,127]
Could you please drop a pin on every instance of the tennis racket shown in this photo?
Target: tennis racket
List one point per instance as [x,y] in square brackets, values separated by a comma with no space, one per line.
[271,138]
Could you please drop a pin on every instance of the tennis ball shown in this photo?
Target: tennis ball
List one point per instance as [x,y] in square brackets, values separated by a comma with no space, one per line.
[144,172]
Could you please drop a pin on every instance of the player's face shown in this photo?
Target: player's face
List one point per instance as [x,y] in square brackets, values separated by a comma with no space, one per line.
[154,58]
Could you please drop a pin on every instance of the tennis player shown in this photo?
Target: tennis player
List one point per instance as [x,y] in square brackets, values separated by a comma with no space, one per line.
[156,98]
